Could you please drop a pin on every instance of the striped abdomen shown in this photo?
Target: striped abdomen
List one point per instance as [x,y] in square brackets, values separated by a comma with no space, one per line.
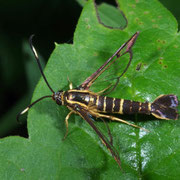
[121,106]
[163,107]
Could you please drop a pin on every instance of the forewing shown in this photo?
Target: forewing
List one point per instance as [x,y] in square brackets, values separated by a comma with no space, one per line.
[112,74]
[87,117]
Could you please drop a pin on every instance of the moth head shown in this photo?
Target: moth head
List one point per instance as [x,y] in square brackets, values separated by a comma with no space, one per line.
[58,97]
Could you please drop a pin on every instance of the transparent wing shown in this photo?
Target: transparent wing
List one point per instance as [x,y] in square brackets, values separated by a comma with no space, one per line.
[108,81]
[110,68]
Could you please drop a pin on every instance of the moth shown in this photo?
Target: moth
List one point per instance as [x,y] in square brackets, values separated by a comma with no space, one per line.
[88,104]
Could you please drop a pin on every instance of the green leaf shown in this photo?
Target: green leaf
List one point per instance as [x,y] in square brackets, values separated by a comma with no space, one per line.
[111,16]
[152,155]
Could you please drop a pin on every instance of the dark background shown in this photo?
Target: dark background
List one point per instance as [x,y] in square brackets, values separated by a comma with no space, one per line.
[50,21]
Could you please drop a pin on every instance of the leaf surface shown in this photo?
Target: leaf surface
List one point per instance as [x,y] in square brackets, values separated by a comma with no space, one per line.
[152,155]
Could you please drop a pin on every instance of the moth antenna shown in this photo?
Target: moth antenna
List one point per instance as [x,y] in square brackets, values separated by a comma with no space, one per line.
[40,68]
[38,62]
[28,107]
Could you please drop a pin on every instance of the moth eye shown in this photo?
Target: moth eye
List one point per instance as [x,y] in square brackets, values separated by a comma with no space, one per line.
[58,101]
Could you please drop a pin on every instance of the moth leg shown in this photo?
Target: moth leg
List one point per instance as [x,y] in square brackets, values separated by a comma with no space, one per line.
[98,115]
[70,83]
[66,123]
[109,132]
[86,116]
[100,92]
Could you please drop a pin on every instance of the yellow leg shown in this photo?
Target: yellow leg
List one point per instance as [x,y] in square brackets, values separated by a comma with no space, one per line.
[98,115]
[100,92]
[66,123]
[109,132]
[70,83]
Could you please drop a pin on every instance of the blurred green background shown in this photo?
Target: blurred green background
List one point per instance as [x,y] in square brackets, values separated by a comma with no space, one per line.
[50,21]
